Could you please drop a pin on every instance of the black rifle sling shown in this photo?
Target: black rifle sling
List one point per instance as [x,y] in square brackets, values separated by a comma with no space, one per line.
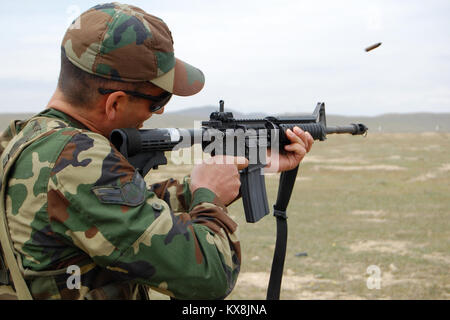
[287,181]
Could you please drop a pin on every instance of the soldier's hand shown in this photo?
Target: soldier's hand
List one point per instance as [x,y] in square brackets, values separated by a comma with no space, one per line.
[301,143]
[220,174]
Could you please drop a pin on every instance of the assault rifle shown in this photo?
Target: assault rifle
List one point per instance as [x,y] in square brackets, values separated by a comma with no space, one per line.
[223,134]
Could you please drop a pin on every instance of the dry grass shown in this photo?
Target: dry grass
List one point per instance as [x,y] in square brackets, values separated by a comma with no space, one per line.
[389,208]
[381,200]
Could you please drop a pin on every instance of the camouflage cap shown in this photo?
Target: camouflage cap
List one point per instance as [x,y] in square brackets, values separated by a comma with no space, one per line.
[123,42]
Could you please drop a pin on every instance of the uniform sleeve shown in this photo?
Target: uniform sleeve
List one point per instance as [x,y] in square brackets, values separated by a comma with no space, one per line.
[177,195]
[5,138]
[100,204]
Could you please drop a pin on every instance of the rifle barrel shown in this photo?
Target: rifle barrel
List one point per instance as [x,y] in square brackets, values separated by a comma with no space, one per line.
[354,129]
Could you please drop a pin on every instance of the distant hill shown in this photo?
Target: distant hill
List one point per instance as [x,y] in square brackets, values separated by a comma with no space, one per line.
[186,118]
[205,111]
[386,123]
[394,122]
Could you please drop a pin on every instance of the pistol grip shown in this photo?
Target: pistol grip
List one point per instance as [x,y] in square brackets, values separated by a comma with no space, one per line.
[253,191]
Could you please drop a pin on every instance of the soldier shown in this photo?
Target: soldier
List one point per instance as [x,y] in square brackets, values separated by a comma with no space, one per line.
[71,202]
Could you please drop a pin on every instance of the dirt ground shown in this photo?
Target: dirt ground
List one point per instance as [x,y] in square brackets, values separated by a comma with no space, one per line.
[368,219]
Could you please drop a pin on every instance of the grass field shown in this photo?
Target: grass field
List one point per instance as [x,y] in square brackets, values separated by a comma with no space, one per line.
[381,201]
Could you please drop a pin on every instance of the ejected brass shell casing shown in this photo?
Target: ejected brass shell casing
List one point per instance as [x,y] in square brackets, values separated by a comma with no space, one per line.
[376,45]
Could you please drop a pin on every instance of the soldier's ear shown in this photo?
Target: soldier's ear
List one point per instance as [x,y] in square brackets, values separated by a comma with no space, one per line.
[114,103]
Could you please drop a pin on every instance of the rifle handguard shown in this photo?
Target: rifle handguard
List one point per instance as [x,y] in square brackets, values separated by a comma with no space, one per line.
[316,130]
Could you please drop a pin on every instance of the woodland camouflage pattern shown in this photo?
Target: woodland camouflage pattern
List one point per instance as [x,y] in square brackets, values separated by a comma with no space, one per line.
[122,42]
[73,199]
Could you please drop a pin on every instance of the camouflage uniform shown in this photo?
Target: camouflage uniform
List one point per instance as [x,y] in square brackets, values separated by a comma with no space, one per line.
[72,199]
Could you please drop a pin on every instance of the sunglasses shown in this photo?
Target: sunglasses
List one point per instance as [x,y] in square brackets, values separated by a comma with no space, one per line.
[158,102]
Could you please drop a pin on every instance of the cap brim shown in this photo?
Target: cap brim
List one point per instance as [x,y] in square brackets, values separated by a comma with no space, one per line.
[182,80]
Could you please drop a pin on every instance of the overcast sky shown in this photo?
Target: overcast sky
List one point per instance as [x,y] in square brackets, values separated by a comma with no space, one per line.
[260,55]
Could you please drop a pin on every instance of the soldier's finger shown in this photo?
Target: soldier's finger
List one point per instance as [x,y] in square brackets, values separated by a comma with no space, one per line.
[310,141]
[297,149]
[239,162]
[304,136]
[294,138]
